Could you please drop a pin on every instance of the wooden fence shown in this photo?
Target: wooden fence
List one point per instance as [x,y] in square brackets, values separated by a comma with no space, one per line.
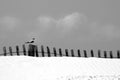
[32,50]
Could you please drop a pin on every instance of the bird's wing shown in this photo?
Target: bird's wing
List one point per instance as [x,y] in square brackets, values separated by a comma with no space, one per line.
[27,42]
[32,42]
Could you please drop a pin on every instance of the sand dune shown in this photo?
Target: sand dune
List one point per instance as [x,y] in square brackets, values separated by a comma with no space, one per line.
[57,68]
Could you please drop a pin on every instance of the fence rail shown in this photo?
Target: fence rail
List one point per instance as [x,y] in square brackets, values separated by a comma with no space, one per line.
[32,50]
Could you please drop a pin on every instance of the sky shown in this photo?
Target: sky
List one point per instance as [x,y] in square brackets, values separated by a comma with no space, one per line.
[83,24]
[30,68]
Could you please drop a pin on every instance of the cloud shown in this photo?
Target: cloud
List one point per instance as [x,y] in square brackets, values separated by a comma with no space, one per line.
[75,26]
[8,23]
[71,21]
[49,26]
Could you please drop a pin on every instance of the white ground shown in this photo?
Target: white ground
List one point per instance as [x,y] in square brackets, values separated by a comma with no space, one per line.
[55,68]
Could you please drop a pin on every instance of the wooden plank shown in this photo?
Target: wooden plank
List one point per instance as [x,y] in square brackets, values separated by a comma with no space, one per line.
[111,54]
[99,54]
[10,51]
[42,51]
[54,52]
[79,55]
[72,53]
[118,54]
[66,52]
[24,50]
[17,50]
[92,53]
[105,54]
[36,51]
[60,51]
[85,53]
[4,51]
[48,51]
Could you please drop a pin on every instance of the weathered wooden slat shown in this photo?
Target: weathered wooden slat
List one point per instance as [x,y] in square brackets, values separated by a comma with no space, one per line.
[118,54]
[99,54]
[4,51]
[24,50]
[42,51]
[66,52]
[60,51]
[92,53]
[54,51]
[111,54]
[105,54]
[17,50]
[10,51]
[36,51]
[72,53]
[48,51]
[85,53]
[79,55]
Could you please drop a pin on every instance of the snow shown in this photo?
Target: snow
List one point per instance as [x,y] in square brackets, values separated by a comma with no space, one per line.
[55,68]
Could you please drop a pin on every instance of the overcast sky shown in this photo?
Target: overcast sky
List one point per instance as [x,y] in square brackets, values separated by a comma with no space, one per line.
[88,24]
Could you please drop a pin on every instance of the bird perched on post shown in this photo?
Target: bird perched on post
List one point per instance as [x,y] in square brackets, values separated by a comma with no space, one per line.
[32,41]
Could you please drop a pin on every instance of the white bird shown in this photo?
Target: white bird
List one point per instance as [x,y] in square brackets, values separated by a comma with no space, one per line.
[32,41]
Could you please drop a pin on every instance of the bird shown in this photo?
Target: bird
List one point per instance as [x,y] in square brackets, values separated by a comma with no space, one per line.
[32,41]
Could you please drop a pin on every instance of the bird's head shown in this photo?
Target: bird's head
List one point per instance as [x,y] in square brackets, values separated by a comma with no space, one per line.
[33,38]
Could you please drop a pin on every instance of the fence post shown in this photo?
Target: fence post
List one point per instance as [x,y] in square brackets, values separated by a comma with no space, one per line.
[31,50]
[36,51]
[72,53]
[85,53]
[10,50]
[111,54]
[79,55]
[118,54]
[4,51]
[66,51]
[92,53]
[48,51]
[60,51]
[17,50]
[24,50]
[54,51]
[105,54]
[99,54]
[42,51]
